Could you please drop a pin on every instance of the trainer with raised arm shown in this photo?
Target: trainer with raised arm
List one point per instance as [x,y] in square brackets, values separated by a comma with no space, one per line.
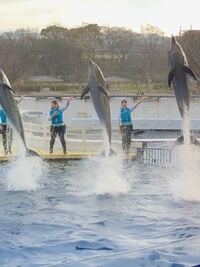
[125,123]
[57,124]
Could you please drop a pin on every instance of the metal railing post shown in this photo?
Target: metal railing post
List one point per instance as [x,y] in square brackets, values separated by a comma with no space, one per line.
[45,136]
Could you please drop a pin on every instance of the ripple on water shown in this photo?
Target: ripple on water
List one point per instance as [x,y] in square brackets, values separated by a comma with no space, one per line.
[69,221]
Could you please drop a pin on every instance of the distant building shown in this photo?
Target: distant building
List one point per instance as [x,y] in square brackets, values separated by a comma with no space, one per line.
[117,79]
[118,83]
[44,79]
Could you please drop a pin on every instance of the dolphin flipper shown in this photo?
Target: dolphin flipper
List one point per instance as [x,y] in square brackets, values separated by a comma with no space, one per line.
[31,153]
[170,77]
[9,88]
[190,72]
[111,152]
[85,91]
[102,90]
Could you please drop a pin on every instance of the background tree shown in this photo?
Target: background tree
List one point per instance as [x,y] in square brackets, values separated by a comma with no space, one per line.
[154,52]
[59,53]
[190,42]
[17,53]
[64,52]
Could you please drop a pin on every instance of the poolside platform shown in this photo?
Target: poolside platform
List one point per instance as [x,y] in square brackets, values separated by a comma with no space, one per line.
[5,158]
[59,156]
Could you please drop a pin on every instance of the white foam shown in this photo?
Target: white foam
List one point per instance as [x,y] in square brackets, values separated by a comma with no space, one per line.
[106,143]
[101,175]
[109,177]
[186,183]
[24,174]
[186,179]
[186,127]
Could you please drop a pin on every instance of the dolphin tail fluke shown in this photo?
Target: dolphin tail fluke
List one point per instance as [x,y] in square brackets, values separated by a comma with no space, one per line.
[173,38]
[112,152]
[189,72]
[31,153]
[193,140]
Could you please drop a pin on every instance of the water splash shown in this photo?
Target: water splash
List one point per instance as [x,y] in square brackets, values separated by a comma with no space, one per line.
[101,175]
[24,174]
[106,144]
[187,178]
[186,183]
[186,127]
[17,140]
[109,177]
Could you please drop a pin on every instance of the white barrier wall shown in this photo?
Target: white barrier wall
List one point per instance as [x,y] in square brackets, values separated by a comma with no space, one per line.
[156,113]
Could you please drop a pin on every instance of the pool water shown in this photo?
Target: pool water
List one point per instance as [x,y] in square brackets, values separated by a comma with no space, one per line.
[95,212]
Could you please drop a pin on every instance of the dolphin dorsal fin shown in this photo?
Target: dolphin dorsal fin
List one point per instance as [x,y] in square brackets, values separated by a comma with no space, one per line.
[189,72]
[85,91]
[170,77]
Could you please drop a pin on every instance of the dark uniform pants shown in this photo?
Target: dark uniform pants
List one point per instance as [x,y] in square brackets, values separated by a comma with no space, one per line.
[7,136]
[126,137]
[60,130]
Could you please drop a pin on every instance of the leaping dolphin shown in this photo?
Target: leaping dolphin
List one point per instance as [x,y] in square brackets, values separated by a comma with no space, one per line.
[9,105]
[178,76]
[100,98]
[179,70]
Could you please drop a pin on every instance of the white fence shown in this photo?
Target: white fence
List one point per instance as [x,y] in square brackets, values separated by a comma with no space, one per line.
[160,113]
[78,139]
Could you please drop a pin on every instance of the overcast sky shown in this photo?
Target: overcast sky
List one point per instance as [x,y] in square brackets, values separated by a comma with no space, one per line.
[168,15]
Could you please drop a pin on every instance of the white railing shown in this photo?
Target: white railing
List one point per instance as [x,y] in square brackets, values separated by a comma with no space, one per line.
[38,136]
[80,139]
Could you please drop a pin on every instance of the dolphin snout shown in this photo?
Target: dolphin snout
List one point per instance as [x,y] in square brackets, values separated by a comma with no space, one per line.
[173,43]
[173,39]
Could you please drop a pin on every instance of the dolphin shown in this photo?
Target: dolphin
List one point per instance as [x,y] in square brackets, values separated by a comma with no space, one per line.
[178,76]
[9,105]
[99,95]
[179,70]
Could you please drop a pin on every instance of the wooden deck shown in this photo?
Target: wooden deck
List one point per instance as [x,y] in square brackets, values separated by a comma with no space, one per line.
[59,156]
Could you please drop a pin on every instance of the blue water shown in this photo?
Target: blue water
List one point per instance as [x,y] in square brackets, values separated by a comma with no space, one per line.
[71,215]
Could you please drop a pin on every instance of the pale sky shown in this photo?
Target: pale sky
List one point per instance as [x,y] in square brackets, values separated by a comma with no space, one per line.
[168,15]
